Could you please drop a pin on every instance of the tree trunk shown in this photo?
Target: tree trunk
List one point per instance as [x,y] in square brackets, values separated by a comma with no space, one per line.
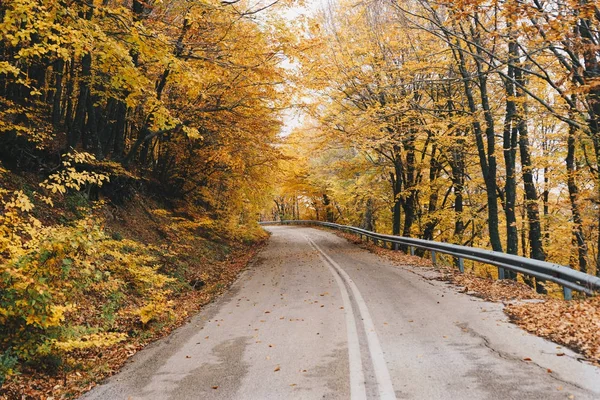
[409,203]
[77,130]
[59,67]
[510,135]
[582,250]
[368,221]
[397,183]
[487,160]
[434,173]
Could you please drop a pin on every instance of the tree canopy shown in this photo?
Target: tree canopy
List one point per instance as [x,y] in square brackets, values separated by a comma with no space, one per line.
[470,122]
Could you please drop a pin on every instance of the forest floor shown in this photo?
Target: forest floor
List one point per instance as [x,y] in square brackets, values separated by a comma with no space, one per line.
[203,257]
[574,324]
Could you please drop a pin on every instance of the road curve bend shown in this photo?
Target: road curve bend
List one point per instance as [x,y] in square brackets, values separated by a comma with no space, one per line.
[316,317]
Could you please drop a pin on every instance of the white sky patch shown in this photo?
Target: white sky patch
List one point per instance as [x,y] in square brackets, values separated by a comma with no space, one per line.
[294,117]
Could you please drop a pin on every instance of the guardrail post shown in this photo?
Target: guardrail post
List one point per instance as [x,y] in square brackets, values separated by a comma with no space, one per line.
[433,260]
[395,246]
[501,273]
[412,250]
[461,264]
[567,293]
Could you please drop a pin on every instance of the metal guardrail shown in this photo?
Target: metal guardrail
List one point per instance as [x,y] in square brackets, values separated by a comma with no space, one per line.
[568,278]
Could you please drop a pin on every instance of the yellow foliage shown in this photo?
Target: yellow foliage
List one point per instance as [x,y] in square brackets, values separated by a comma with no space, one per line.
[41,285]
[70,178]
[156,308]
[105,339]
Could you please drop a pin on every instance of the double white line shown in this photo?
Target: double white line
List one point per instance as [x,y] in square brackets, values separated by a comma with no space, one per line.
[357,377]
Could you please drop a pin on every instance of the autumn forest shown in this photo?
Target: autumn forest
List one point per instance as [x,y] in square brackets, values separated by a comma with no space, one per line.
[143,141]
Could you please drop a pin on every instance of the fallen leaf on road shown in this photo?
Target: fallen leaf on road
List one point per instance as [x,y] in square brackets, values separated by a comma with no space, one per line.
[527,359]
[215,387]
[277,369]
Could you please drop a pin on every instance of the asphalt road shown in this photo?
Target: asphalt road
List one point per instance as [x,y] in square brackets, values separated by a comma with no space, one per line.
[316,317]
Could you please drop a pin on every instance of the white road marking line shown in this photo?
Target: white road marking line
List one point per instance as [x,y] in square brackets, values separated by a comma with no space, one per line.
[382,374]
[357,377]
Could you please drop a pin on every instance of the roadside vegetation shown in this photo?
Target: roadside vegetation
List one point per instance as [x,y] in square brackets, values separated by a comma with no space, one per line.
[137,140]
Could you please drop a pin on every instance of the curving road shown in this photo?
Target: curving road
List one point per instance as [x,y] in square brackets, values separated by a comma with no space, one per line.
[316,317]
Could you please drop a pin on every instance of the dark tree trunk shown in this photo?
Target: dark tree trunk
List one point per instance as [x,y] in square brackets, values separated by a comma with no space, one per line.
[409,203]
[77,130]
[368,220]
[486,152]
[582,250]
[510,135]
[329,216]
[457,164]
[434,172]
[396,179]
[120,131]
[67,105]
[59,67]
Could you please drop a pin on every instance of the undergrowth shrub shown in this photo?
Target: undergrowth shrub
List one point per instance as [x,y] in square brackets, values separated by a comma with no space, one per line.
[65,294]
[72,289]
[8,361]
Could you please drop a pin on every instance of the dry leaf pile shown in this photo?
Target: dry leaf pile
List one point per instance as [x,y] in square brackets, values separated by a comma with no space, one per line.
[493,290]
[575,324]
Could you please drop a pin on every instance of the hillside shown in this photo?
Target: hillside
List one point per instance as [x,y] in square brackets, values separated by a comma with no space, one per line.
[136,140]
